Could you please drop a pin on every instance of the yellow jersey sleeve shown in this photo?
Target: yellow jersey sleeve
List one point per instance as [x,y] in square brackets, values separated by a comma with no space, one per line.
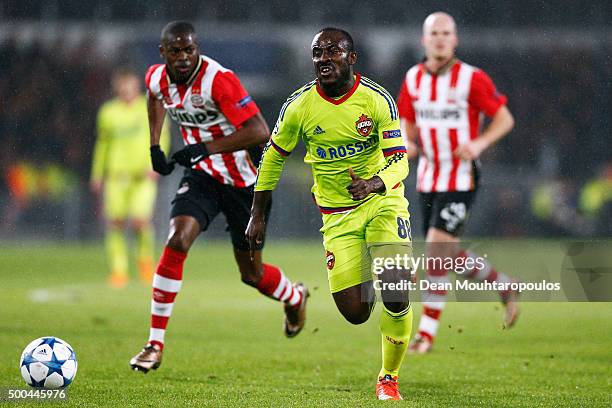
[285,137]
[395,169]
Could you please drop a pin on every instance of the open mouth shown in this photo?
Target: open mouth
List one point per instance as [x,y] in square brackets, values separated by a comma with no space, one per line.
[183,69]
[325,70]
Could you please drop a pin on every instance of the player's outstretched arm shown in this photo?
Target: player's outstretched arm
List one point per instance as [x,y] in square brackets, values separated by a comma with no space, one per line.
[501,124]
[268,175]
[156,114]
[280,145]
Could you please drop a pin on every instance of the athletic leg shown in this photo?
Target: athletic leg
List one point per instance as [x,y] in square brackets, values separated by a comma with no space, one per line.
[439,245]
[115,211]
[167,282]
[488,273]
[168,277]
[388,236]
[145,238]
[445,215]
[356,303]
[451,213]
[116,248]
[194,207]
[142,203]
[269,279]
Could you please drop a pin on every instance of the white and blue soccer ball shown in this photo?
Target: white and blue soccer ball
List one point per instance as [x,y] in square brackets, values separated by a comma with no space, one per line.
[48,362]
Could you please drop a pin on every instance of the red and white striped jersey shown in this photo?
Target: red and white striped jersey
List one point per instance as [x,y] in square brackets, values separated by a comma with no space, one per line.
[447,109]
[213,104]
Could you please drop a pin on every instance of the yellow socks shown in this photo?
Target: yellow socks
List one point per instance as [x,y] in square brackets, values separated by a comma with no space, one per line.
[395,329]
[117,250]
[146,244]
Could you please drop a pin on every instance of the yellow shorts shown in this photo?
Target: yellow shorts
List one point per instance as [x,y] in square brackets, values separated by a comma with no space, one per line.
[129,197]
[378,227]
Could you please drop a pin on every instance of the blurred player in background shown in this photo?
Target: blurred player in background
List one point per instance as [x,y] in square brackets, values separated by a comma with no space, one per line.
[595,201]
[218,120]
[351,130]
[121,171]
[440,103]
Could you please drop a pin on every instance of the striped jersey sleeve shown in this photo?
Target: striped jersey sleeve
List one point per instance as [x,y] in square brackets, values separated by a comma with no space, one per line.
[154,70]
[233,100]
[404,103]
[483,94]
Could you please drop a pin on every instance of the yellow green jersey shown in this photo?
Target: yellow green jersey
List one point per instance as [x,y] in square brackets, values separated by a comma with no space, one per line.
[361,130]
[122,146]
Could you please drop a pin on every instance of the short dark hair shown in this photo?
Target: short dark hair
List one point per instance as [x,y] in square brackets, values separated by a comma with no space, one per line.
[175,28]
[347,37]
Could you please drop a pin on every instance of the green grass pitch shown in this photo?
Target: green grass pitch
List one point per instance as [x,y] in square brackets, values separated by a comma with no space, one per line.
[225,345]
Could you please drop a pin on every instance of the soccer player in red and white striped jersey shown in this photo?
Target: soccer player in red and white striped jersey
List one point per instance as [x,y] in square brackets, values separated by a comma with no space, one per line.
[441,103]
[218,121]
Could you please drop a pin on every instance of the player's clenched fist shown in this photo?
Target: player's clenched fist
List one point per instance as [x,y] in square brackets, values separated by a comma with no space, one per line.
[360,188]
[470,150]
[190,154]
[159,162]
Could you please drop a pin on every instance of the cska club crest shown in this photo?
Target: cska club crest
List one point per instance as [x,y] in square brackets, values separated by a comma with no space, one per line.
[330,259]
[364,125]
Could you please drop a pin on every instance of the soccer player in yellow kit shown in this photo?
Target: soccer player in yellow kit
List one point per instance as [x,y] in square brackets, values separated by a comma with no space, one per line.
[351,130]
[121,172]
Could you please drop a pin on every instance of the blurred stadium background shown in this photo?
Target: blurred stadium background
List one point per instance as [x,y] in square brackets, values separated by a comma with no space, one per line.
[552,176]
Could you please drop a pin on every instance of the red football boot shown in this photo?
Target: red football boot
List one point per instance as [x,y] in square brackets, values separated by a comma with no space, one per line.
[387,388]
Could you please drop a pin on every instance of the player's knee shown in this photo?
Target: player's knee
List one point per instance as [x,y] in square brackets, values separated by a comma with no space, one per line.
[179,241]
[358,316]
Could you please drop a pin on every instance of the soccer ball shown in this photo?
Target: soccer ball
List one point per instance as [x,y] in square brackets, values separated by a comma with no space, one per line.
[48,362]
